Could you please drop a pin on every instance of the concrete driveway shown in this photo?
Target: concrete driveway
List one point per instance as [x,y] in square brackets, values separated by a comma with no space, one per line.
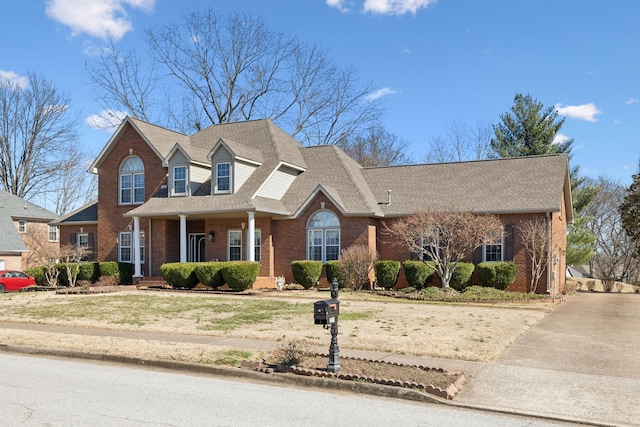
[580,363]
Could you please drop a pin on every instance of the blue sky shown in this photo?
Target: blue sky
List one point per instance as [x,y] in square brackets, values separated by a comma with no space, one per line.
[432,62]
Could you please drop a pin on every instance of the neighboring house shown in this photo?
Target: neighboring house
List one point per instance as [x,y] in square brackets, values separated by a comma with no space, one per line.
[27,237]
[249,191]
[81,229]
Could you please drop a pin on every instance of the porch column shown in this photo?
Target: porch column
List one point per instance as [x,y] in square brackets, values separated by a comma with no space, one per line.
[251,242]
[137,271]
[183,238]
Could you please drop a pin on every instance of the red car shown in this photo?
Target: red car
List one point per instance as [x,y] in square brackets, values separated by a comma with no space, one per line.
[11,280]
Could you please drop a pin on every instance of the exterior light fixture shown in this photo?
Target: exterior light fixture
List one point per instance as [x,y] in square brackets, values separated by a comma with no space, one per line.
[212,236]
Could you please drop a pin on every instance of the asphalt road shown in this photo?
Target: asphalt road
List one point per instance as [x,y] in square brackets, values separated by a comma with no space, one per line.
[51,392]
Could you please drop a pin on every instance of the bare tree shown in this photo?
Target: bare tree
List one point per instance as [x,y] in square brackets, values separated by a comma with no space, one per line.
[122,80]
[70,255]
[221,69]
[616,252]
[356,264]
[460,143]
[446,238]
[534,236]
[73,186]
[36,133]
[377,148]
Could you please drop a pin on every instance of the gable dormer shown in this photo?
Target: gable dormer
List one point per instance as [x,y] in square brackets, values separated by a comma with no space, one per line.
[231,165]
[185,173]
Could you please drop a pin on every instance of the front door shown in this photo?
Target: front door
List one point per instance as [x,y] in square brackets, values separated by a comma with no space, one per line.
[196,247]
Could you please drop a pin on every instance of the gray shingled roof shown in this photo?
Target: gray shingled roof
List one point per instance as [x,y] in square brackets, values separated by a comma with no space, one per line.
[84,214]
[14,208]
[521,184]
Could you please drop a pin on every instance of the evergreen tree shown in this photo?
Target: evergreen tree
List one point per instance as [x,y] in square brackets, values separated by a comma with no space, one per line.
[529,130]
[630,210]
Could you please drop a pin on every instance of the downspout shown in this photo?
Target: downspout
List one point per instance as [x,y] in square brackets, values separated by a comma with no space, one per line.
[149,252]
[549,255]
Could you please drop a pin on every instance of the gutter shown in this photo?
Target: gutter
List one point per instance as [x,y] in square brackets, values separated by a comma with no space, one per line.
[549,256]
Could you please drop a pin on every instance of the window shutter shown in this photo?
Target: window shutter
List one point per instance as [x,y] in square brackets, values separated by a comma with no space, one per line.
[91,255]
[73,238]
[509,238]
[477,255]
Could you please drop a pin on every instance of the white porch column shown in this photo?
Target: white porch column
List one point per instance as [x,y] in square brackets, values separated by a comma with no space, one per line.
[137,271]
[183,238]
[251,242]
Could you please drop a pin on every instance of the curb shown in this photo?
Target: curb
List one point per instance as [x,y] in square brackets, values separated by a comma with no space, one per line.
[239,373]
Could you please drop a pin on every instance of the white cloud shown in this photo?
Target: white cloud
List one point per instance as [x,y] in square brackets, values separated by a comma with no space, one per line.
[338,4]
[395,7]
[560,138]
[380,93]
[107,120]
[383,7]
[97,18]
[632,101]
[14,79]
[586,112]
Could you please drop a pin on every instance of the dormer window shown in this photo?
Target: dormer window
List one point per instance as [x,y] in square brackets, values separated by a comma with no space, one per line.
[223,177]
[131,181]
[180,180]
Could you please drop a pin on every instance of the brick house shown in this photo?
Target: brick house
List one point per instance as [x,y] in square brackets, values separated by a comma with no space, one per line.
[249,191]
[26,234]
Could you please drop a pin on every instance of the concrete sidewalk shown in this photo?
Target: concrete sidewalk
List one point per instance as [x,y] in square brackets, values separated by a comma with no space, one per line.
[579,364]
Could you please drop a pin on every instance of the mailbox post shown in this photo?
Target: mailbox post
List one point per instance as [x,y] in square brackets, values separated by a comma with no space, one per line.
[326,314]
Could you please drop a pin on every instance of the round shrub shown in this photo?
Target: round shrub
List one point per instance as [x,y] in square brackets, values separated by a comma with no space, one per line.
[461,277]
[387,273]
[418,273]
[88,271]
[108,269]
[497,275]
[240,275]
[38,274]
[306,273]
[179,274]
[334,270]
[210,273]
[126,272]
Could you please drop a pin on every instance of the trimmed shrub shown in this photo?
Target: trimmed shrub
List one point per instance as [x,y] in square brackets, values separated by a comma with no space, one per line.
[88,271]
[38,274]
[461,277]
[240,275]
[334,269]
[109,269]
[210,273]
[387,273]
[179,274]
[418,273]
[125,270]
[497,275]
[63,278]
[306,273]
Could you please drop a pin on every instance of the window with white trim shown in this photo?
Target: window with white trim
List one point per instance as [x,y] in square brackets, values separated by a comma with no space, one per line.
[131,181]
[125,247]
[179,180]
[234,245]
[22,226]
[223,177]
[257,244]
[323,237]
[493,251]
[53,233]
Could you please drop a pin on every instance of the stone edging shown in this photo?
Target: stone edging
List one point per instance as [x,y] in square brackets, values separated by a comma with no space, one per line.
[448,393]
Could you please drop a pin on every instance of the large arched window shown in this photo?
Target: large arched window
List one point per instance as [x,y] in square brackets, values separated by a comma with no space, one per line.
[131,181]
[323,236]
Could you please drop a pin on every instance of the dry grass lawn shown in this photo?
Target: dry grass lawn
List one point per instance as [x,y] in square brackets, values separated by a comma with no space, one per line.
[473,332]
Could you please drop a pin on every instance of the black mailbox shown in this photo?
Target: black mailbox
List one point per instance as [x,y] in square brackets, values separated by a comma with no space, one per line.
[326,312]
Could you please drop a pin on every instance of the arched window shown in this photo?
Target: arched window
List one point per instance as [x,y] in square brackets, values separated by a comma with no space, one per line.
[131,181]
[323,237]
